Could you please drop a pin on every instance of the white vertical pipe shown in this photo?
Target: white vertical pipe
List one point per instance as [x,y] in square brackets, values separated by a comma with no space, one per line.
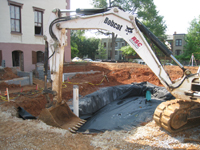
[76,100]
[8,95]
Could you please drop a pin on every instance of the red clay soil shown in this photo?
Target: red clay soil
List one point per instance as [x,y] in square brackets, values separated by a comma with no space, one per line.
[7,74]
[116,73]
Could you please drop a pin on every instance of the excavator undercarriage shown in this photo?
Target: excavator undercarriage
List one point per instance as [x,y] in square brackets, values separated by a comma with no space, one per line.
[178,115]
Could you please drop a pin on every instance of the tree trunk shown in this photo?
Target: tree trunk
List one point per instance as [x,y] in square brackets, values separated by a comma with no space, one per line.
[113,46]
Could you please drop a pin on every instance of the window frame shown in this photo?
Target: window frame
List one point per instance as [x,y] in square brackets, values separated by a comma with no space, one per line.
[177,52]
[38,10]
[116,44]
[19,5]
[105,44]
[178,42]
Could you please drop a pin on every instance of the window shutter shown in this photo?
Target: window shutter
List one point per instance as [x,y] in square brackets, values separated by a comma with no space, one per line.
[0,57]
[34,57]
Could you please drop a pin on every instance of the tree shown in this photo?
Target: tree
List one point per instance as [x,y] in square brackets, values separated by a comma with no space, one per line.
[99,3]
[103,4]
[127,50]
[145,11]
[75,36]
[101,51]
[192,41]
[74,49]
[82,46]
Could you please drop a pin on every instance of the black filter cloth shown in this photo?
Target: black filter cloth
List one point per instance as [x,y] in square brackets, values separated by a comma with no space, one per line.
[121,108]
[116,108]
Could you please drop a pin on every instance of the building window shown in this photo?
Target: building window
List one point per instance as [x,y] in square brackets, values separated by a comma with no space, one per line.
[116,52]
[40,56]
[178,52]
[38,20]
[116,44]
[178,42]
[15,18]
[123,44]
[38,23]
[104,44]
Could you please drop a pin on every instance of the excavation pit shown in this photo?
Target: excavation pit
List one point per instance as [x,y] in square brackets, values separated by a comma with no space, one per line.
[120,107]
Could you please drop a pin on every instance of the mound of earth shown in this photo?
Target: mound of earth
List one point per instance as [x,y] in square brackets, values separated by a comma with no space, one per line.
[7,74]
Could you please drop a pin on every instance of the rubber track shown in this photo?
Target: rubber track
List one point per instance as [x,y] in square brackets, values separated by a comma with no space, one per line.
[165,111]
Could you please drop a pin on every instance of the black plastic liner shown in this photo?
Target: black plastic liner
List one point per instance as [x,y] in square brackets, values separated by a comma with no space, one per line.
[24,114]
[117,108]
[120,107]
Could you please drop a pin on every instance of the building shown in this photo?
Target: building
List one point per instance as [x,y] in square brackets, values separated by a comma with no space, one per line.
[22,27]
[178,43]
[107,44]
[174,42]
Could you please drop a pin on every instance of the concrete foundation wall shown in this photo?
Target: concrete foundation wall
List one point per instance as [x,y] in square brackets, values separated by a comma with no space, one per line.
[19,81]
[26,74]
[26,79]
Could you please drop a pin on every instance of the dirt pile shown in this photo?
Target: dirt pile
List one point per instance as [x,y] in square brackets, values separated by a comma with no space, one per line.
[7,74]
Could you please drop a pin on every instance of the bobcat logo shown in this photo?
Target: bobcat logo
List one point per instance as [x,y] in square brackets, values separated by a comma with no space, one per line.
[129,30]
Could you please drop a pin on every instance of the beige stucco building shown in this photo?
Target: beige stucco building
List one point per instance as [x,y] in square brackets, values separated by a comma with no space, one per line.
[23,23]
[178,43]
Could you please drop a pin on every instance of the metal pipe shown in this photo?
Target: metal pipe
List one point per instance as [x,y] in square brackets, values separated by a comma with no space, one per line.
[76,100]
[177,62]
[66,10]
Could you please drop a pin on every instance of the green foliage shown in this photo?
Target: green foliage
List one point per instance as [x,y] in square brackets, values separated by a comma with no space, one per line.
[127,50]
[85,46]
[101,51]
[99,3]
[146,12]
[192,41]
[74,49]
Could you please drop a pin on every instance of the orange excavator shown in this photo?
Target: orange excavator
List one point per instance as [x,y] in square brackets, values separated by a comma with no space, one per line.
[175,115]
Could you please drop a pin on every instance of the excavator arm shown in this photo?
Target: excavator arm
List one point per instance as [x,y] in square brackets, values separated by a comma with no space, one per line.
[132,31]
[113,20]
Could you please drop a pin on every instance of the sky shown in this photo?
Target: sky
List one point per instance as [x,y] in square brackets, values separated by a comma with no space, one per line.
[177,13]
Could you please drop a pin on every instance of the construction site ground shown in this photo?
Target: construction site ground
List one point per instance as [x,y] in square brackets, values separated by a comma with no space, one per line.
[16,133]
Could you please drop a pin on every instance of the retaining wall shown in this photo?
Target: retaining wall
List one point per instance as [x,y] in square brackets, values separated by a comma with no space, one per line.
[26,79]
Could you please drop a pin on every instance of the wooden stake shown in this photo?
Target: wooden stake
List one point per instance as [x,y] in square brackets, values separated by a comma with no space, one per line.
[7,95]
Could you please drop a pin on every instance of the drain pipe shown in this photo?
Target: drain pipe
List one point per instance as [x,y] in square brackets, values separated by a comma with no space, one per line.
[76,100]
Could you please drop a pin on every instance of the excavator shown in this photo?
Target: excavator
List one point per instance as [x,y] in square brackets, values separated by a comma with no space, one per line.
[175,115]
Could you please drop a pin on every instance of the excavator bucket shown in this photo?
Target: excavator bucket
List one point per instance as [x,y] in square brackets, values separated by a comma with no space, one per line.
[61,116]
